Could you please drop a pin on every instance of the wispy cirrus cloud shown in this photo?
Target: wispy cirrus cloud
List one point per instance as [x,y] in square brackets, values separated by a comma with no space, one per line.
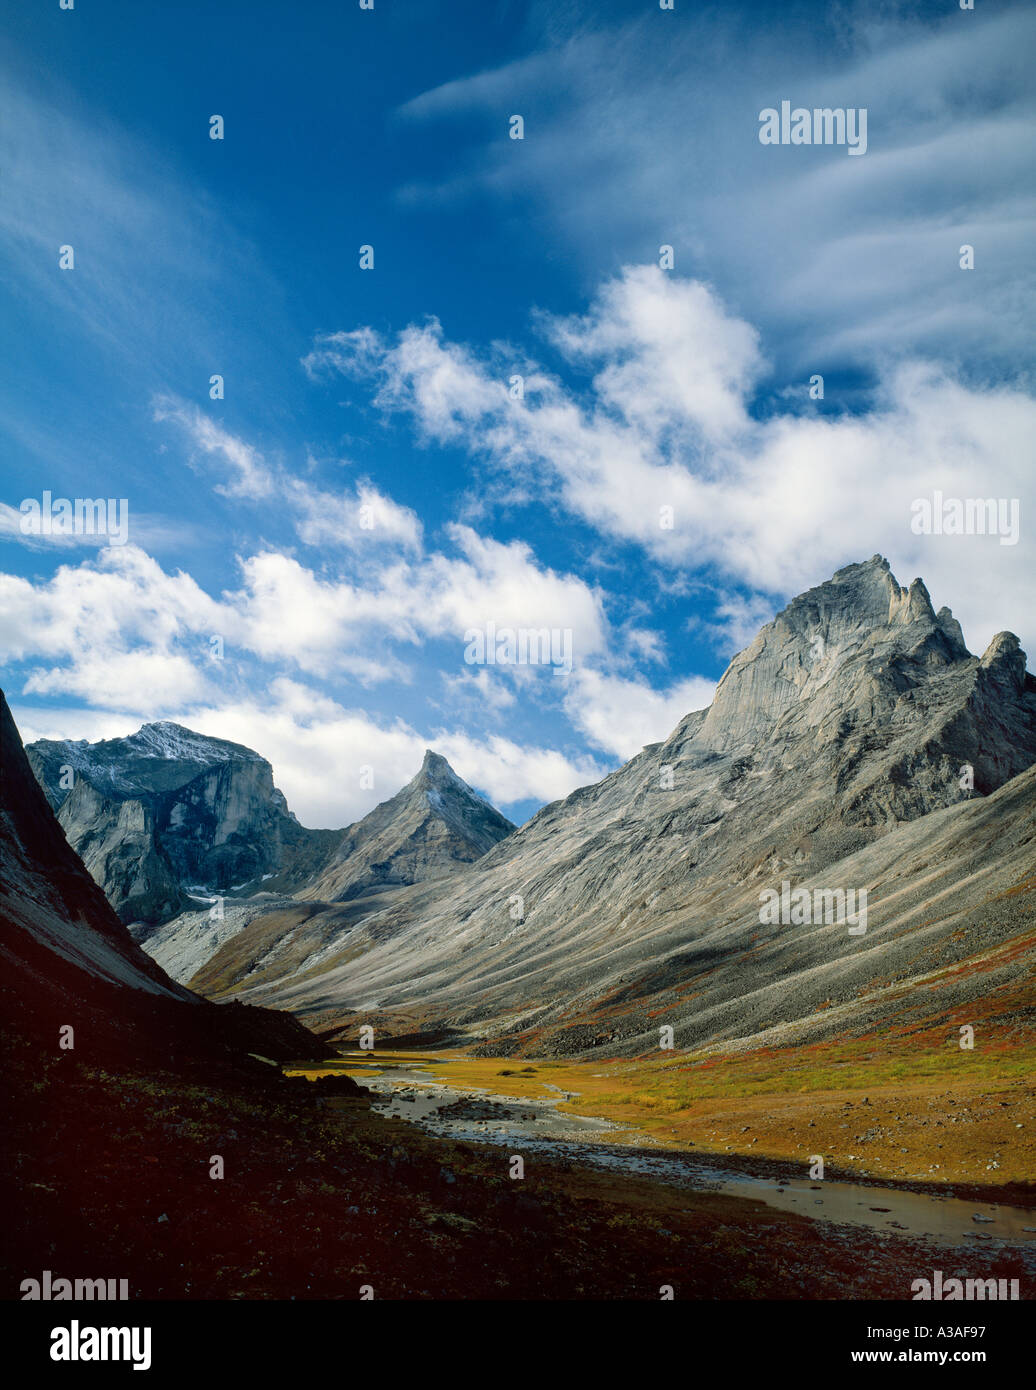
[359,514]
[141,230]
[647,133]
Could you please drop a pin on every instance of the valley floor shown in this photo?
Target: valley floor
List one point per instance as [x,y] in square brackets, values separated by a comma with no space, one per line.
[110,1176]
[923,1114]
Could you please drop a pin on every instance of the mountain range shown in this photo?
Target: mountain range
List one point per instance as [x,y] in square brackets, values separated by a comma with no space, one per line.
[854,747]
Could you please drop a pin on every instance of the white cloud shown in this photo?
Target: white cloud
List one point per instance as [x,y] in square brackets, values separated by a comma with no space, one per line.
[123,602]
[139,680]
[249,477]
[774,504]
[621,715]
[104,603]
[350,517]
[502,583]
[67,722]
[290,612]
[11,520]
[481,686]
[147,530]
[320,749]
[123,632]
[510,771]
[673,357]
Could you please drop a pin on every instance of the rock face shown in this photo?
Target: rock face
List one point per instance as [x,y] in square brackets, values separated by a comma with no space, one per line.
[424,832]
[852,742]
[66,959]
[854,670]
[167,811]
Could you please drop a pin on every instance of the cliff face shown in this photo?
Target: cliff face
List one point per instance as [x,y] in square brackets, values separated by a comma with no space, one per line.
[866,676]
[167,812]
[166,819]
[46,895]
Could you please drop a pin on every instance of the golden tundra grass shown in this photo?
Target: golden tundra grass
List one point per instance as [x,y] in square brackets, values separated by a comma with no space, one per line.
[903,1106]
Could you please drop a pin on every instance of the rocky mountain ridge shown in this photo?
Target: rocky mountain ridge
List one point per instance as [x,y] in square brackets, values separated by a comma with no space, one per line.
[166,819]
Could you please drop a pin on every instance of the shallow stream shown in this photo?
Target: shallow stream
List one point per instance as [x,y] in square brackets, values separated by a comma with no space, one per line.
[407,1090]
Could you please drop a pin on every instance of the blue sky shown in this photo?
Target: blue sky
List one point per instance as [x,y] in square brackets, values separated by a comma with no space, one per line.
[345,388]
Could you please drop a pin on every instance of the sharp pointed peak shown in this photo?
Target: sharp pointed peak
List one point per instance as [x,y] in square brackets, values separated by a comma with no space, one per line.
[864,593]
[436,775]
[436,771]
[435,768]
